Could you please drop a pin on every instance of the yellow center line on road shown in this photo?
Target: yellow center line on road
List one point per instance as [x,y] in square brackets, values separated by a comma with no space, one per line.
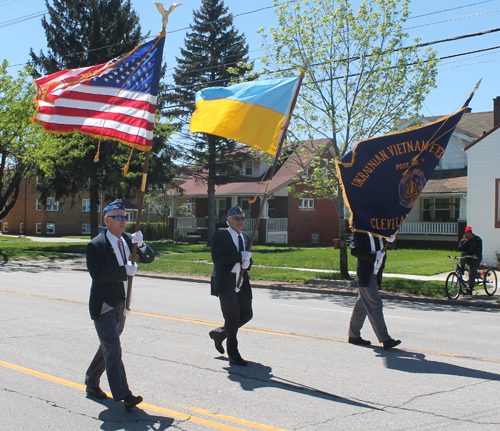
[146,406]
[261,330]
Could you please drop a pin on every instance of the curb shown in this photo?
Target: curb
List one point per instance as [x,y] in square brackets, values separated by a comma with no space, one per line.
[323,289]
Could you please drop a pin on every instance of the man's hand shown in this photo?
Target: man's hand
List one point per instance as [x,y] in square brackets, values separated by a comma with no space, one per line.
[380,255]
[392,238]
[245,264]
[138,238]
[246,255]
[131,268]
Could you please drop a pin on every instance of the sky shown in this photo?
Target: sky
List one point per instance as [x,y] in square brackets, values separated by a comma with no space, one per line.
[431,20]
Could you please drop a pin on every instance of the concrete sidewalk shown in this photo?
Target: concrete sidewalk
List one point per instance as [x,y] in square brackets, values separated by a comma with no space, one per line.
[320,286]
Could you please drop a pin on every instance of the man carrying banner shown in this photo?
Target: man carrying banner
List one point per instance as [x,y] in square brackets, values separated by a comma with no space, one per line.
[108,263]
[370,252]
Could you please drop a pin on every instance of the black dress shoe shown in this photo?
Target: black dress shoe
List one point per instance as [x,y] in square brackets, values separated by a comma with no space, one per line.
[96,392]
[238,361]
[359,341]
[390,343]
[131,401]
[218,341]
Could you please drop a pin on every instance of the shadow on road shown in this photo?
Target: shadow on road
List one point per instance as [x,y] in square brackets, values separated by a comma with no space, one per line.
[256,376]
[115,418]
[414,362]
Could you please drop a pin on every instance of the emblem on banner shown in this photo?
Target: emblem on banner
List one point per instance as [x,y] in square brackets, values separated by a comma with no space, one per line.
[410,187]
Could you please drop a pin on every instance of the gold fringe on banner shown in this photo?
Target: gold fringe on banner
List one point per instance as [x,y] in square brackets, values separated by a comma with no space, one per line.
[125,169]
[96,158]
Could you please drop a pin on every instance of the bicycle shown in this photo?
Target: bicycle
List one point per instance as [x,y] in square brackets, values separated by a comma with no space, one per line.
[458,280]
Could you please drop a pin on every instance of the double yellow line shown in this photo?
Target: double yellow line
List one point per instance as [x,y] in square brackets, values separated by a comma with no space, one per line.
[167,412]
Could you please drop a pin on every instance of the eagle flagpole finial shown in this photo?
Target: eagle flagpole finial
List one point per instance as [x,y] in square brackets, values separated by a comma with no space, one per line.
[165,13]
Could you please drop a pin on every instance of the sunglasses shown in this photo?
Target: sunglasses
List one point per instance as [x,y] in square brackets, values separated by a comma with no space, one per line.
[236,218]
[119,218]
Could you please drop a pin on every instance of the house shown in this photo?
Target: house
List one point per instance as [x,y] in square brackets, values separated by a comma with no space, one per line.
[31,217]
[284,220]
[440,214]
[483,190]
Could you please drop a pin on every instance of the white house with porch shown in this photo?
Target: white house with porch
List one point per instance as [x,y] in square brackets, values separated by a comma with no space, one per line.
[441,212]
[483,191]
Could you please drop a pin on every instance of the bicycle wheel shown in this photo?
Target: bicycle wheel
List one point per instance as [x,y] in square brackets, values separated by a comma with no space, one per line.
[453,285]
[490,282]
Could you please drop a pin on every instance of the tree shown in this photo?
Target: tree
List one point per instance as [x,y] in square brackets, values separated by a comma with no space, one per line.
[361,77]
[18,135]
[84,34]
[214,55]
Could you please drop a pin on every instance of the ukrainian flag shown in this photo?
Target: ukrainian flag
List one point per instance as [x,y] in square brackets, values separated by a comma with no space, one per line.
[252,113]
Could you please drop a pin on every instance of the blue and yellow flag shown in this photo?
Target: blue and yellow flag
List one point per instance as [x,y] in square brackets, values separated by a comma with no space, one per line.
[383,177]
[252,113]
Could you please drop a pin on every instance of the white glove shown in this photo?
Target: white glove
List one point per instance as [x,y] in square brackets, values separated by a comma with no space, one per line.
[131,268]
[245,264]
[380,255]
[137,238]
[246,255]
[392,238]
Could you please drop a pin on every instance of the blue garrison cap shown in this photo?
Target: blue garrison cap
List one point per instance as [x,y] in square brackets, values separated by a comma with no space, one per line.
[235,211]
[115,205]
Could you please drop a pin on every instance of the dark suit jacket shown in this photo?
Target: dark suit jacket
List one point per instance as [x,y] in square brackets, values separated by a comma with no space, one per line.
[107,275]
[361,249]
[224,256]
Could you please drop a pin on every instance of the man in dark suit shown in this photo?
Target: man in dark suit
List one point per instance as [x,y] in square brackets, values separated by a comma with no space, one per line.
[370,252]
[109,266]
[230,257]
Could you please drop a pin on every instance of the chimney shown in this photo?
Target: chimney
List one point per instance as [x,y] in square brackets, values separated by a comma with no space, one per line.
[496,111]
[468,110]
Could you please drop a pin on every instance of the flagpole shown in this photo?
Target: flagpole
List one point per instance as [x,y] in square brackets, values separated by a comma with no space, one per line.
[281,140]
[137,227]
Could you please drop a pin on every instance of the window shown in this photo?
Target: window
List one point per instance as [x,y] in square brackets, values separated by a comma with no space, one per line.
[51,228]
[52,204]
[38,204]
[86,229]
[497,203]
[306,204]
[249,168]
[85,205]
[21,227]
[5,227]
[39,228]
[246,167]
[270,208]
[189,208]
[220,209]
[426,210]
[245,206]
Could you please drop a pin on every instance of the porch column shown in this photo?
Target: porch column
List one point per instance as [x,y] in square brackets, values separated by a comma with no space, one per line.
[173,207]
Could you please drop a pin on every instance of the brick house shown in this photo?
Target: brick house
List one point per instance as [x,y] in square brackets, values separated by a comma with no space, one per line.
[67,218]
[285,219]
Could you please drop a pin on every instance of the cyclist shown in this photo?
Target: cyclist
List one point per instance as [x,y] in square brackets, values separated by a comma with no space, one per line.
[471,245]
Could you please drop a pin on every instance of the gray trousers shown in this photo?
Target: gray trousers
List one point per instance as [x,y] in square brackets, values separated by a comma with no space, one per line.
[109,327]
[369,303]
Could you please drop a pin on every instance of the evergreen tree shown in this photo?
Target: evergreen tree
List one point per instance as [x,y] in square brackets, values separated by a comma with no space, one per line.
[82,34]
[214,54]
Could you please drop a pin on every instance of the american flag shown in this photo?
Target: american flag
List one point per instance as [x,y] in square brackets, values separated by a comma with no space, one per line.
[116,99]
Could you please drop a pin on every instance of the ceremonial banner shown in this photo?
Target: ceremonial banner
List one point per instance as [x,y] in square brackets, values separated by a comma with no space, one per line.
[116,99]
[383,177]
[252,113]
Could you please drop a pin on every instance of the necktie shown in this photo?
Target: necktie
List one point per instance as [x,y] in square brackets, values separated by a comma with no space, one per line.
[240,243]
[122,251]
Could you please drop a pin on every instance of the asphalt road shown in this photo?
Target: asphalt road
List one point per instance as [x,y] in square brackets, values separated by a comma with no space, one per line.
[302,374]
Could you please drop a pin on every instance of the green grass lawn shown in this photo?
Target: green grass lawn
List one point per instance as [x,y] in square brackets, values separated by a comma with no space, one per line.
[273,263]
